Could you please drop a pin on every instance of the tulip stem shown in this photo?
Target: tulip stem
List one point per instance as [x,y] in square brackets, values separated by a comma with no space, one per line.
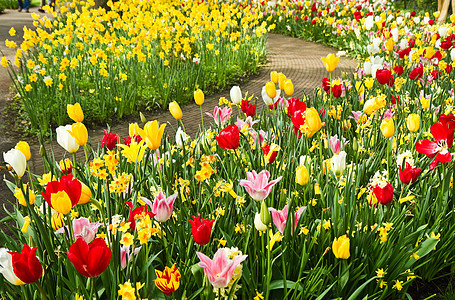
[202,119]
[30,176]
[40,288]
[85,152]
[269,266]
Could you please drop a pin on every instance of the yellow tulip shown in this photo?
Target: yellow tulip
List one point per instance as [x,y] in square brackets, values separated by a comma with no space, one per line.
[199,97]
[387,128]
[330,62]
[61,202]
[21,198]
[75,112]
[27,222]
[389,44]
[369,107]
[270,89]
[86,194]
[66,166]
[425,102]
[413,122]
[25,149]
[79,133]
[281,79]
[57,220]
[152,134]
[302,176]
[429,52]
[274,76]
[134,129]
[340,247]
[175,110]
[288,87]
[312,122]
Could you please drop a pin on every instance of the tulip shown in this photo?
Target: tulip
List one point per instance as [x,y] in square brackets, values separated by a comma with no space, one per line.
[413,122]
[175,110]
[66,166]
[384,76]
[236,94]
[267,100]
[63,195]
[86,194]
[199,97]
[82,228]
[258,185]
[135,151]
[138,211]
[6,267]
[201,229]
[65,139]
[219,271]
[312,122]
[168,281]
[16,159]
[152,134]
[162,207]
[269,152]
[26,265]
[57,220]
[280,217]
[409,174]
[330,62]
[338,163]
[135,130]
[221,115]
[340,247]
[258,224]
[79,133]
[335,144]
[384,194]
[89,259]
[229,137]
[248,108]
[25,149]
[264,214]
[75,112]
[387,128]
[21,198]
[302,176]
[288,87]
[281,80]
[181,137]
[110,140]
[270,89]
[126,256]
[274,76]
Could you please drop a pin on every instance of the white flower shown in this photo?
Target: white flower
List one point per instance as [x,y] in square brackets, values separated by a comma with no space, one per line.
[181,137]
[258,223]
[6,267]
[267,100]
[442,31]
[16,159]
[452,54]
[65,139]
[338,162]
[399,20]
[236,95]
[369,22]
[196,60]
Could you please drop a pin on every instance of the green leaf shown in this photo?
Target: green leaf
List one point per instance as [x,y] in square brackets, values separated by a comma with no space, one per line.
[359,290]
[279,284]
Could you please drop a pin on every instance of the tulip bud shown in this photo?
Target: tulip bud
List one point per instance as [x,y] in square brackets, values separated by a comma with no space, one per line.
[265,215]
[355,145]
[199,97]
[42,151]
[16,159]
[281,79]
[75,112]
[288,87]
[27,222]
[236,95]
[86,194]
[302,176]
[274,76]
[270,89]
[143,118]
[175,110]
[21,197]
[25,149]
[66,166]
[387,128]
[338,163]
[340,247]
[258,223]
[413,122]
[65,139]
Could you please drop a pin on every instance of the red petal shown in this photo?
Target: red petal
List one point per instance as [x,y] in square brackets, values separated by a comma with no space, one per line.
[427,147]
[439,131]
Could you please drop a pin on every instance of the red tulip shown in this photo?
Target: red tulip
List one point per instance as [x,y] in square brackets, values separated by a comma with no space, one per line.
[447,44]
[408,174]
[399,69]
[201,229]
[109,140]
[326,84]
[405,52]
[248,108]
[127,140]
[71,186]
[384,194]
[298,120]
[294,105]
[26,265]
[416,73]
[89,260]
[442,132]
[229,137]
[266,150]
[337,90]
[384,76]
[137,211]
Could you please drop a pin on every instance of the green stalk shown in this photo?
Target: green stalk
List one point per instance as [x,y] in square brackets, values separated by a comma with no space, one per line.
[40,288]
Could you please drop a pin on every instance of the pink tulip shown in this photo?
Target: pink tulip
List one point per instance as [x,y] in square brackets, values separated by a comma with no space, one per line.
[280,217]
[221,115]
[335,145]
[162,206]
[83,228]
[126,256]
[258,185]
[249,120]
[219,270]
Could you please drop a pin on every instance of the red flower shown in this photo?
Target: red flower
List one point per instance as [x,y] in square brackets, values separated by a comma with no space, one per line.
[416,73]
[295,104]
[89,260]
[68,184]
[298,120]
[395,99]
[109,140]
[383,194]
[399,70]
[409,174]
[447,44]
[337,90]
[248,108]
[384,76]
[326,84]
[137,211]
[404,52]
[26,265]
[443,133]
[127,140]
[266,150]
[229,137]
[201,229]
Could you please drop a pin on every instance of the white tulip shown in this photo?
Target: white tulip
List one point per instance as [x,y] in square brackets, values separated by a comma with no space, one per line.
[452,54]
[258,223]
[181,137]
[442,31]
[338,163]
[16,159]
[65,139]
[267,100]
[6,267]
[236,95]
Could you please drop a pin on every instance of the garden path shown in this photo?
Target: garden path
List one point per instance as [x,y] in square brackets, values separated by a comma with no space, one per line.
[297,59]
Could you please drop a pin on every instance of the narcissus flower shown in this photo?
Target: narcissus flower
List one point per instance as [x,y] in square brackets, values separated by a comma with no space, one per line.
[75,112]
[340,247]
[152,134]
[90,259]
[229,137]
[137,211]
[168,281]
[330,62]
[26,265]
[201,229]
[280,217]
[63,195]
[258,185]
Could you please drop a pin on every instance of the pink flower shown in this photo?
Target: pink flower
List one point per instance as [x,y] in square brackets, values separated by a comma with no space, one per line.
[258,185]
[280,217]
[335,145]
[240,123]
[83,228]
[219,270]
[221,115]
[126,256]
[162,206]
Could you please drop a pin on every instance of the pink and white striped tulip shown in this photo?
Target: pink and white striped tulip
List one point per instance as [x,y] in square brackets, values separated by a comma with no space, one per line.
[280,217]
[258,185]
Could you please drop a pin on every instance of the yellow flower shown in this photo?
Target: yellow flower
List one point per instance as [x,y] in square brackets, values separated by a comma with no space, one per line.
[79,133]
[61,202]
[389,44]
[21,198]
[413,122]
[134,129]
[12,31]
[270,89]
[387,128]
[4,62]
[25,149]
[312,122]
[281,80]
[274,76]
[340,247]
[127,291]
[398,285]
[330,62]
[168,281]
[199,97]
[302,176]
[75,112]
[380,272]
[288,87]
[175,110]
[86,194]
[127,239]
[152,134]
[134,152]
[26,224]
